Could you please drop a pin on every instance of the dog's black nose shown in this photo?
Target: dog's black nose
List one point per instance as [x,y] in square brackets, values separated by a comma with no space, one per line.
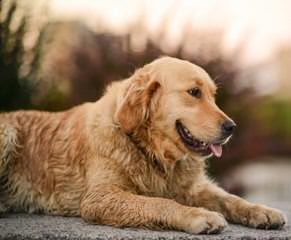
[228,127]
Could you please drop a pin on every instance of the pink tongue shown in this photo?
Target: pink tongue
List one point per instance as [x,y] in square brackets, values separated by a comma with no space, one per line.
[216,149]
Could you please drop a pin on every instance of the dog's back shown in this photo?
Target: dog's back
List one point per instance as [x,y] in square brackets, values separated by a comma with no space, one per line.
[41,154]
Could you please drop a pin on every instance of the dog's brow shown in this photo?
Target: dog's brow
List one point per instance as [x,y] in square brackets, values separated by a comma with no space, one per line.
[199,82]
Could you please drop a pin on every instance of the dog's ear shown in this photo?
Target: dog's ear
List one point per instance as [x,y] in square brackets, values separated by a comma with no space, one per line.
[134,108]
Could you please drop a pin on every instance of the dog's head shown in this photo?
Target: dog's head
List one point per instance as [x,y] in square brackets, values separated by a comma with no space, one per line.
[177,99]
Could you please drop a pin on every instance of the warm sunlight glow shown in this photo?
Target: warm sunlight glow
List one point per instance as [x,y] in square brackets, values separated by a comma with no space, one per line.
[262,25]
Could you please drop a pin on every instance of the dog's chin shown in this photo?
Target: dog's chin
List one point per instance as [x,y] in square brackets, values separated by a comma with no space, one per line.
[202,148]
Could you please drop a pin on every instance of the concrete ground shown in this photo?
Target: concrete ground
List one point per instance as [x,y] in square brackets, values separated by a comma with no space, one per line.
[28,227]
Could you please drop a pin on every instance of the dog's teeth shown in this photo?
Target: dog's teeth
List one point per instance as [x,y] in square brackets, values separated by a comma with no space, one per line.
[187,132]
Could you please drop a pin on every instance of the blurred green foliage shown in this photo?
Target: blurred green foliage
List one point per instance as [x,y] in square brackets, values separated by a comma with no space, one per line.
[275,114]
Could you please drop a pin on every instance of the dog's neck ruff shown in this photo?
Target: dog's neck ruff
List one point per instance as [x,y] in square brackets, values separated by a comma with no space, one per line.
[148,154]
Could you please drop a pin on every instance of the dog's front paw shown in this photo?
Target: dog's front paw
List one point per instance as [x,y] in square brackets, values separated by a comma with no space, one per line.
[204,222]
[260,216]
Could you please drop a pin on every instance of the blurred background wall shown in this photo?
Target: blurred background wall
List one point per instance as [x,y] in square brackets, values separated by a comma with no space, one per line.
[55,54]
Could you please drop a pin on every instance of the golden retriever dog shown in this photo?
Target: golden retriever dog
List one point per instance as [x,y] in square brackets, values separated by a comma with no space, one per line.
[133,158]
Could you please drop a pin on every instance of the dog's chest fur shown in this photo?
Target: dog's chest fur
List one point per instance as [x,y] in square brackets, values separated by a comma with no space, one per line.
[146,174]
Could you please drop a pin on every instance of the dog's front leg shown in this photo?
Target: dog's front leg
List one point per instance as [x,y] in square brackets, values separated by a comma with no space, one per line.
[235,209]
[112,206]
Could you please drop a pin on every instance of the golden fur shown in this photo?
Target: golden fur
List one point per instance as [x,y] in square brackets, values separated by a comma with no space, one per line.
[120,160]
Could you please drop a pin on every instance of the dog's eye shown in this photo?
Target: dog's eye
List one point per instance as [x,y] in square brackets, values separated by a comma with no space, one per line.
[195,92]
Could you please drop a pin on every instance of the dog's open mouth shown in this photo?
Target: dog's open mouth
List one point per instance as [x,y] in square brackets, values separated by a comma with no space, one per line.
[197,145]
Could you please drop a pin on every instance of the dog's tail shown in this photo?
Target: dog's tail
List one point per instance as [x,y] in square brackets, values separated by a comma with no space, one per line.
[8,150]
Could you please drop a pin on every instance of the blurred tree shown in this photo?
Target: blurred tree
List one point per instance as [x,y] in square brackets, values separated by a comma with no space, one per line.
[14,92]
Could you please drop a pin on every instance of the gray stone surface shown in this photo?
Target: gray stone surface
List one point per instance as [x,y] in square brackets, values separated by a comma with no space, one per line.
[24,226]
